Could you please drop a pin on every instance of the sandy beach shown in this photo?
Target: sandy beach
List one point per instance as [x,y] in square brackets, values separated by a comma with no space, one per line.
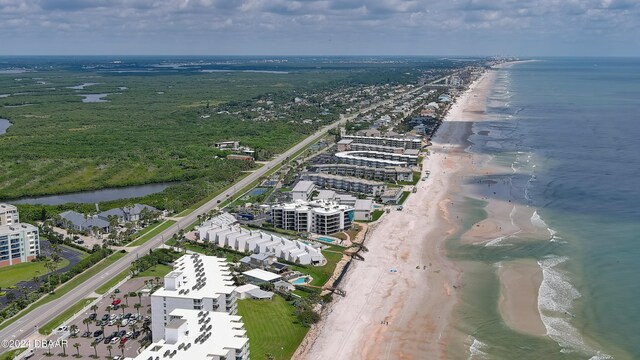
[400,300]
[520,281]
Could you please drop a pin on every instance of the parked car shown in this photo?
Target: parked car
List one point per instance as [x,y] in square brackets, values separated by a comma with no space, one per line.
[125,322]
[129,334]
[116,302]
[97,333]
[115,340]
[122,333]
[111,322]
[62,329]
[128,316]
[98,339]
[93,316]
[135,334]
[115,307]
[113,316]
[75,332]
[120,316]
[86,334]
[105,317]
[123,341]
[117,357]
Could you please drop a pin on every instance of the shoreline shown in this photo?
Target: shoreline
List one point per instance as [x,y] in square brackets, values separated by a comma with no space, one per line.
[388,311]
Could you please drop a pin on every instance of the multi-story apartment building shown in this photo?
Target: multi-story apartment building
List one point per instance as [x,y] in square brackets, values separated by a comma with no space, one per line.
[196,283]
[8,214]
[376,158]
[390,173]
[18,242]
[346,183]
[317,216]
[405,143]
[199,334]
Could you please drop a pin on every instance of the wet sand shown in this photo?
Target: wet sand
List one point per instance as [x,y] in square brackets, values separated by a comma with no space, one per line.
[520,281]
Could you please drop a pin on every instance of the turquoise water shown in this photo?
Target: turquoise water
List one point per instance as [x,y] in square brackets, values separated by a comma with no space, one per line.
[326,239]
[299,281]
[568,130]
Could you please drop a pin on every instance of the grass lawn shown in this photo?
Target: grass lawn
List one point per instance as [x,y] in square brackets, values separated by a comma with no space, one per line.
[375,215]
[11,354]
[405,195]
[272,327]
[64,316]
[159,270]
[67,287]
[10,275]
[321,274]
[147,234]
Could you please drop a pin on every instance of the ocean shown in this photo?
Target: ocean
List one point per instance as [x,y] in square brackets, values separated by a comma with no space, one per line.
[568,130]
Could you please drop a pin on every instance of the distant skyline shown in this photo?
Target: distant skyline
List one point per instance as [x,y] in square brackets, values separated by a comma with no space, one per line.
[320,27]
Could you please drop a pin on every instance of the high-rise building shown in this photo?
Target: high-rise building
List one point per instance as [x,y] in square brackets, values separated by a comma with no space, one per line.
[18,242]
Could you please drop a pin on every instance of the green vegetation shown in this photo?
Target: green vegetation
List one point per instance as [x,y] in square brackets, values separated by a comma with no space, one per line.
[159,270]
[148,233]
[321,274]
[11,275]
[67,287]
[405,195]
[47,328]
[11,354]
[377,214]
[272,327]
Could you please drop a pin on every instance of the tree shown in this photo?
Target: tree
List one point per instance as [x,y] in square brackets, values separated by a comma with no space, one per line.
[123,306]
[139,294]
[86,321]
[95,350]
[74,329]
[121,347]
[137,306]
[94,308]
[126,298]
[109,308]
[77,346]
[109,347]
[64,348]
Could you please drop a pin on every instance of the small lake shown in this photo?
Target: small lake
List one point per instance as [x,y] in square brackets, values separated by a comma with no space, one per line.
[95,196]
[94,98]
[4,125]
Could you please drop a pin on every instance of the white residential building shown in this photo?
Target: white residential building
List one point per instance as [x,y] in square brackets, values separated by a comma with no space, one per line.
[363,210]
[197,282]
[303,190]
[8,214]
[317,216]
[346,183]
[406,143]
[223,232]
[18,243]
[198,334]
[376,158]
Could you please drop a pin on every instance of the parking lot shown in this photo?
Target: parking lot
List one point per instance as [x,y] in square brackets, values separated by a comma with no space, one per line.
[123,319]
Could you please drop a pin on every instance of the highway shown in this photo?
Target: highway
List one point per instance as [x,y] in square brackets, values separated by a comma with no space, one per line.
[27,326]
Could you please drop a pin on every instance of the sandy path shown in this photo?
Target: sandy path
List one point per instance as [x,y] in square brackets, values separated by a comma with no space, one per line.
[406,313]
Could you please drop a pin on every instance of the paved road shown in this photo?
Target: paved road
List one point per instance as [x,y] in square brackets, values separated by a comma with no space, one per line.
[26,327]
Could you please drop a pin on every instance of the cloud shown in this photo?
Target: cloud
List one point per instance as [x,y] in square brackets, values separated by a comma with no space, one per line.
[350,23]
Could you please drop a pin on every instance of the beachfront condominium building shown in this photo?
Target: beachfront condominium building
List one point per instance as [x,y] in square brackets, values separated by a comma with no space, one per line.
[197,282]
[346,183]
[405,143]
[8,214]
[390,173]
[350,145]
[224,232]
[18,243]
[317,216]
[376,158]
[198,334]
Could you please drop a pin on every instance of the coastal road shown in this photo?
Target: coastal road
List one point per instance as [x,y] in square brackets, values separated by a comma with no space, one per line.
[27,326]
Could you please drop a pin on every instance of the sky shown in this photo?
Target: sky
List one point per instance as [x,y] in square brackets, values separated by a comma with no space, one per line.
[320,27]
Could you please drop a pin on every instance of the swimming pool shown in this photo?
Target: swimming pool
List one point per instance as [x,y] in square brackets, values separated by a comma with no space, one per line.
[326,239]
[299,281]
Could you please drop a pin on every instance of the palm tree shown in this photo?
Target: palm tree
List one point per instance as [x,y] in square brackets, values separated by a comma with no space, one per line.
[94,308]
[95,350]
[137,307]
[77,346]
[109,347]
[126,298]
[124,306]
[121,347]
[139,294]
[109,308]
[64,348]
[74,328]
[86,321]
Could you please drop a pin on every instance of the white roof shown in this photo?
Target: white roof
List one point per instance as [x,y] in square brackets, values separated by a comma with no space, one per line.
[262,274]
[303,186]
[246,288]
[363,204]
[226,333]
